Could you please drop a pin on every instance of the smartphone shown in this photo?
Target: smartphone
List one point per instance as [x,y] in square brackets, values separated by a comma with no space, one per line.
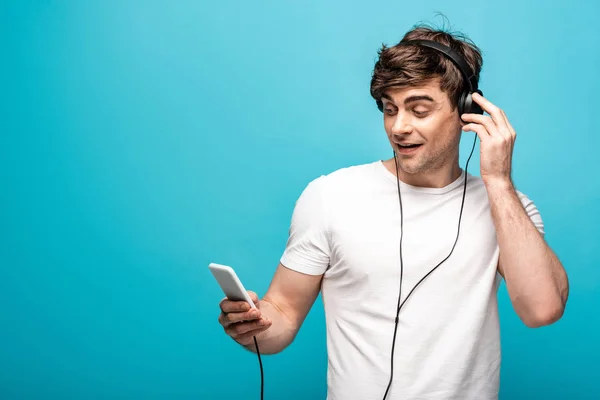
[230,283]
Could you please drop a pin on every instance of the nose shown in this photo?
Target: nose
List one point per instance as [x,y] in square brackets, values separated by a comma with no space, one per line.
[402,125]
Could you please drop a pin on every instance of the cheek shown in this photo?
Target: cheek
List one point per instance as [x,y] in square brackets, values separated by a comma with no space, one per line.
[388,125]
[429,128]
[437,130]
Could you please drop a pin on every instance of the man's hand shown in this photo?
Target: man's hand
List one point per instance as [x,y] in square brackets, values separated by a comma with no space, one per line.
[240,321]
[497,141]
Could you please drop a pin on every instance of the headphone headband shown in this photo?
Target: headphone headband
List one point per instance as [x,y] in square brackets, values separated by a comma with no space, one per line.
[458,60]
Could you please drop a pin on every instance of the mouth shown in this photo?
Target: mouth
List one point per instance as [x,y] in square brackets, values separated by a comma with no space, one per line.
[408,148]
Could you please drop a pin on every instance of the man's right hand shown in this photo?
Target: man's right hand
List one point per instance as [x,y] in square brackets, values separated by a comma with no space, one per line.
[240,321]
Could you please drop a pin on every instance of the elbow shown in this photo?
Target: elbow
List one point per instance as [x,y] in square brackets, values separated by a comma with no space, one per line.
[547,308]
[544,316]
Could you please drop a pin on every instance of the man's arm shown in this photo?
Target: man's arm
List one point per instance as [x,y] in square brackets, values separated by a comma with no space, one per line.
[286,304]
[535,278]
[292,293]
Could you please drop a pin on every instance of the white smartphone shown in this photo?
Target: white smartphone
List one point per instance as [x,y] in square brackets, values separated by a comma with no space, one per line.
[230,283]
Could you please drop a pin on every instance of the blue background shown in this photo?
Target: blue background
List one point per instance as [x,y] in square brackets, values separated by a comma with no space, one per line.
[143,140]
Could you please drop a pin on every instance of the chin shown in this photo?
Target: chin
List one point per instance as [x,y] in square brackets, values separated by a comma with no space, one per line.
[419,163]
[411,167]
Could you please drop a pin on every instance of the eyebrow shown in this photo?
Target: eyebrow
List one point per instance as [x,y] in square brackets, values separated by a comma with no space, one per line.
[411,98]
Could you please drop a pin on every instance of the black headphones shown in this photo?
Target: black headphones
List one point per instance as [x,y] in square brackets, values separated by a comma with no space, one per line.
[465,101]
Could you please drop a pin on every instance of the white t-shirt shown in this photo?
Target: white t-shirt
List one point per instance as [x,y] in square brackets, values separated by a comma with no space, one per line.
[346,225]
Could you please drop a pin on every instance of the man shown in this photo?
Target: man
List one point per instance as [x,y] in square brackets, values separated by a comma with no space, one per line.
[368,248]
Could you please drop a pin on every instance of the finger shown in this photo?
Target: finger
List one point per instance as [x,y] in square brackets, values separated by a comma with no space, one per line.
[242,328]
[479,130]
[513,134]
[493,110]
[228,306]
[253,297]
[484,120]
[227,319]
[248,338]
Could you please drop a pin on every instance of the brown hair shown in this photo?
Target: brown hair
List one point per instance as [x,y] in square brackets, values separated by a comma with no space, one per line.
[402,66]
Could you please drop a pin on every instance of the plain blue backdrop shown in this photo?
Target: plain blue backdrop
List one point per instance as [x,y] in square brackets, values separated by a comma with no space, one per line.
[143,140]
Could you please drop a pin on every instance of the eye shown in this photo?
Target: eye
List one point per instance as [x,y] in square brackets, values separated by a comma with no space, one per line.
[420,114]
[389,110]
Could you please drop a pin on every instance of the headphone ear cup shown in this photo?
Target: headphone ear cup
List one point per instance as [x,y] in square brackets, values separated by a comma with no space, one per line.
[462,108]
[470,106]
[468,103]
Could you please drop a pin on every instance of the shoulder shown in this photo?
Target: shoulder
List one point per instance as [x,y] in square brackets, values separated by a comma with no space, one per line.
[476,184]
[342,179]
[532,211]
[322,195]
[526,201]
[351,173]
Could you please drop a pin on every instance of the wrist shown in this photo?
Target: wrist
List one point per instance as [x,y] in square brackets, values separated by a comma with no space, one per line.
[498,184]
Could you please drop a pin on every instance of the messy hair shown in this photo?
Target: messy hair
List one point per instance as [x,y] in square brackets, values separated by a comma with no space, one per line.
[403,65]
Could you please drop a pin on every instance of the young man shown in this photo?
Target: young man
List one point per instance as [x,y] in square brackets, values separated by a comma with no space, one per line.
[369,236]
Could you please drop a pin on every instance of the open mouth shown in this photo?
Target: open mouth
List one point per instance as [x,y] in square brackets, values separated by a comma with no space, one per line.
[407,148]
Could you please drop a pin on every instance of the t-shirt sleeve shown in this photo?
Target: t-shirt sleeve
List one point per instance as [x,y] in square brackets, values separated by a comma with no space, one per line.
[308,245]
[532,212]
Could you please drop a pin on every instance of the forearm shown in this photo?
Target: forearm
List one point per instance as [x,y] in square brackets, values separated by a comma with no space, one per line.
[279,335]
[535,279]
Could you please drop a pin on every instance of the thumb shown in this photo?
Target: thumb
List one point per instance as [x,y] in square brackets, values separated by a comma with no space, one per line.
[253,297]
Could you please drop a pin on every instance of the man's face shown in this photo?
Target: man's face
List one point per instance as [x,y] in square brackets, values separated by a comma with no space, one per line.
[422,116]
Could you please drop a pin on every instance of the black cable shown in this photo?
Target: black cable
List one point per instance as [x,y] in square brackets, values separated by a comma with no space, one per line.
[262,380]
[401,273]
[400,305]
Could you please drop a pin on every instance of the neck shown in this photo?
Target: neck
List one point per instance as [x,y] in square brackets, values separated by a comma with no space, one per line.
[437,178]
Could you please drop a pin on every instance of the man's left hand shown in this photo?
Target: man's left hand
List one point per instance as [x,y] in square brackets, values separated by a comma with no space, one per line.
[497,141]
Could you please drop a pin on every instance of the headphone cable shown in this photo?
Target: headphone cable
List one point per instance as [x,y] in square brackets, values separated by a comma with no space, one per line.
[262,380]
[400,305]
